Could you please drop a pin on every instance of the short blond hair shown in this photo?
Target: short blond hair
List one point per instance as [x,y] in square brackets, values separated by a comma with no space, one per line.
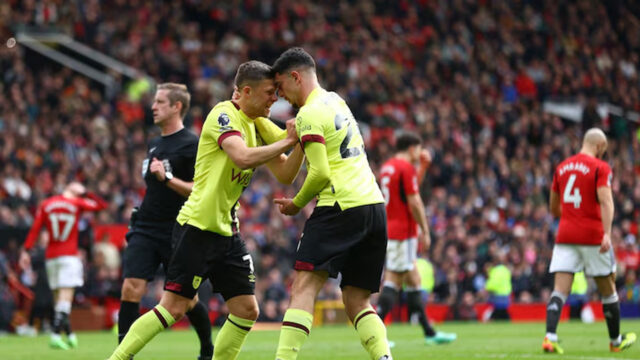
[177,92]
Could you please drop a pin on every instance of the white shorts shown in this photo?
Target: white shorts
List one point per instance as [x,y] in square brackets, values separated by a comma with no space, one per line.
[401,255]
[576,258]
[64,272]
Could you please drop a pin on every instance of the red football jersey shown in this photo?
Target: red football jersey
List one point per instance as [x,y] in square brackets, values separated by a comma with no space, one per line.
[398,179]
[60,216]
[576,181]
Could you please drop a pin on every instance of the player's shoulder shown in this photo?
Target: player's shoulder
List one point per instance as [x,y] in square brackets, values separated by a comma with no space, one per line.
[319,107]
[603,164]
[222,112]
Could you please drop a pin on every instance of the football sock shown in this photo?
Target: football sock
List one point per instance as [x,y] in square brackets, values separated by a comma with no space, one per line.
[199,318]
[554,309]
[129,312]
[295,331]
[61,317]
[386,300]
[414,299]
[142,331]
[231,337]
[372,333]
[611,310]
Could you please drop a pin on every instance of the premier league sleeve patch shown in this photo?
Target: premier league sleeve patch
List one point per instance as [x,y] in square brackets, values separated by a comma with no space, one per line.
[223,119]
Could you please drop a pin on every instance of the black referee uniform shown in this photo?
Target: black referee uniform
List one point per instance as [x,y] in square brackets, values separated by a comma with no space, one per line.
[149,236]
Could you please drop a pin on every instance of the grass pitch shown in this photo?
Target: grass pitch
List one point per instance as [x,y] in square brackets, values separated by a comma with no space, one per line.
[475,341]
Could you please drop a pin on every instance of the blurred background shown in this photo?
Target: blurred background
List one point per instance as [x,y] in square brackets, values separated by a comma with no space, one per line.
[500,92]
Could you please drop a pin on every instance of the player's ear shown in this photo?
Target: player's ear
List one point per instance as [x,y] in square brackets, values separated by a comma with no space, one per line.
[296,76]
[246,90]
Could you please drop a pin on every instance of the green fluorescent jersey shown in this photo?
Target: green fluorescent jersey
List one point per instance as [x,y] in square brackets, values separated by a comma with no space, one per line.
[218,182]
[326,118]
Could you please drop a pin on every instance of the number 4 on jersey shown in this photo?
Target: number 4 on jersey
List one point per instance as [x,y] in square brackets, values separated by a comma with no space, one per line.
[572,196]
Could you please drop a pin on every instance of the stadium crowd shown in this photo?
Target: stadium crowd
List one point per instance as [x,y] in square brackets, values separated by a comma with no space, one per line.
[469,76]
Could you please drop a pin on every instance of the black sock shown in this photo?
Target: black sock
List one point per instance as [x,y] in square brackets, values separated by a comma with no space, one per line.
[199,318]
[386,300]
[414,299]
[66,324]
[58,322]
[554,309]
[612,316]
[129,312]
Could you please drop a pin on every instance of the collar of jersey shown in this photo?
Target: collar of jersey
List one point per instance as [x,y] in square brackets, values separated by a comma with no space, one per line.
[314,94]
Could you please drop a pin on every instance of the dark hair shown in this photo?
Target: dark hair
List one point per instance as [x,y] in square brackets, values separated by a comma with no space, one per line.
[252,72]
[293,58]
[405,140]
[177,92]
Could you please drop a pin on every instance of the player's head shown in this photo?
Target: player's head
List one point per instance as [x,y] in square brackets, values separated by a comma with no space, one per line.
[74,190]
[409,143]
[595,142]
[294,70]
[171,101]
[255,91]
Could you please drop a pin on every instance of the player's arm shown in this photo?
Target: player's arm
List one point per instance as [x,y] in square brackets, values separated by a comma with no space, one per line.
[417,212]
[34,232]
[93,202]
[425,161]
[246,157]
[318,173]
[554,198]
[286,167]
[605,198]
[32,237]
[178,185]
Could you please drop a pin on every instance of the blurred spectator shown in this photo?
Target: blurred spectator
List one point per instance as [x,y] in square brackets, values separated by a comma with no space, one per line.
[499,287]
[469,77]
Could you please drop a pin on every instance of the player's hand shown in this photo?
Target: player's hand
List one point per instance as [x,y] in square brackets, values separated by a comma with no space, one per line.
[425,240]
[286,206]
[292,135]
[606,243]
[157,169]
[425,157]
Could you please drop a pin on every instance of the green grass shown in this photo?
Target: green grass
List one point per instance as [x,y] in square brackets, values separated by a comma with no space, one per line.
[475,341]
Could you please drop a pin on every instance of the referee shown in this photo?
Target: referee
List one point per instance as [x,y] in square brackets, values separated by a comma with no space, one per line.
[168,172]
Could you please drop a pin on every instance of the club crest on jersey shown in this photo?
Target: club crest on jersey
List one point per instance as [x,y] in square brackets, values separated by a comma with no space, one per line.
[223,119]
[196,282]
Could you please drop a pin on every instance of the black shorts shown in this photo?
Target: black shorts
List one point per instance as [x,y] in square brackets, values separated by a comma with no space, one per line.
[148,246]
[199,255]
[352,242]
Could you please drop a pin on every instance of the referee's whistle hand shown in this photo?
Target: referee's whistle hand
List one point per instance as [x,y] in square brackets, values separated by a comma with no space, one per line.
[157,169]
[286,206]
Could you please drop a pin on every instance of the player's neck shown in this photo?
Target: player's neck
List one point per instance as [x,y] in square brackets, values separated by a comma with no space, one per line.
[242,105]
[171,127]
[404,156]
[68,195]
[308,87]
[587,151]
